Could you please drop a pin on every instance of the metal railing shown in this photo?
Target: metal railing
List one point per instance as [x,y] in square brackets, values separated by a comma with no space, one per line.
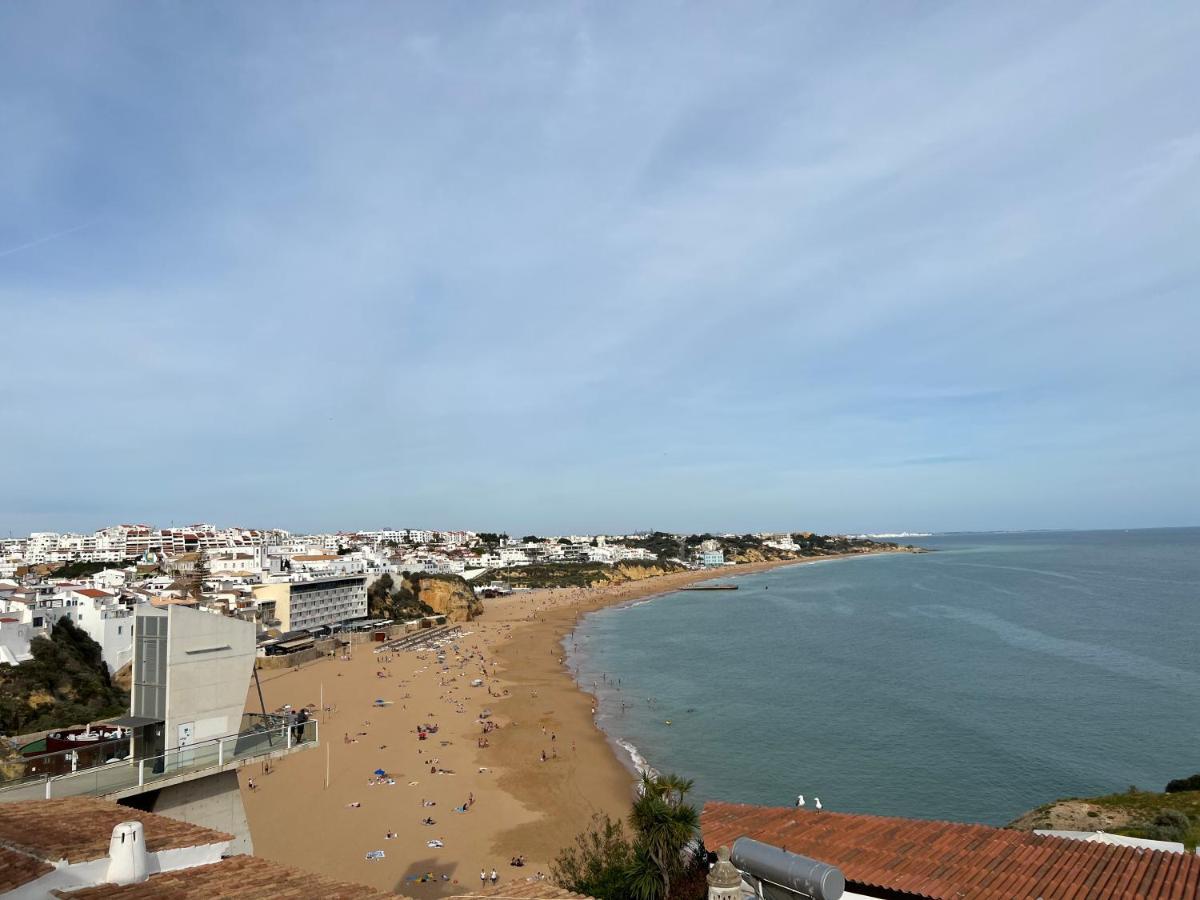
[271,735]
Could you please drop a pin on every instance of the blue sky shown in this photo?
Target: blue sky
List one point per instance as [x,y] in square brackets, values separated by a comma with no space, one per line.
[583,267]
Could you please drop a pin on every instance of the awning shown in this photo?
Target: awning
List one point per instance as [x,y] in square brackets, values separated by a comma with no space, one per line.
[135,721]
[297,644]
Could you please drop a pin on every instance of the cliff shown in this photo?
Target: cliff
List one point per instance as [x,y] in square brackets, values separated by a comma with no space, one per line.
[449,595]
[1147,814]
[626,571]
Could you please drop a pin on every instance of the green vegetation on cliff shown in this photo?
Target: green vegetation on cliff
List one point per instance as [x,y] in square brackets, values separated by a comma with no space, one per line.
[1160,817]
[66,683]
[74,570]
[418,594]
[581,574]
[1173,815]
[388,600]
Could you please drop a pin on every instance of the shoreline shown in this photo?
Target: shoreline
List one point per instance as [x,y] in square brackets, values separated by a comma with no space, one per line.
[626,752]
[520,804]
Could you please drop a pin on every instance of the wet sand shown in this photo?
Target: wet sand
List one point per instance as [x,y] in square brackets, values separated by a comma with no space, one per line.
[522,805]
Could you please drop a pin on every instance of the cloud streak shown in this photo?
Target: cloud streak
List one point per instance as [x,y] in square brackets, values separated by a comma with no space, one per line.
[583,267]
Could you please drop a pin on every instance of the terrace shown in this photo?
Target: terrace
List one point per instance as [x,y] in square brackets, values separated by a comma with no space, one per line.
[118,773]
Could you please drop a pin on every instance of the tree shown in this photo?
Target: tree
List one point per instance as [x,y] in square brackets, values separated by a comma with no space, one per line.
[199,574]
[665,825]
[65,683]
[653,864]
[599,862]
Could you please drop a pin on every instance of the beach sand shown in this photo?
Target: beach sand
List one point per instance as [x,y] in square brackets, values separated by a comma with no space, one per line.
[522,805]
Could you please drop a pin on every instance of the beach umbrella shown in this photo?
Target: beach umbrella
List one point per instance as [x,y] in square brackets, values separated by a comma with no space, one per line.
[380,772]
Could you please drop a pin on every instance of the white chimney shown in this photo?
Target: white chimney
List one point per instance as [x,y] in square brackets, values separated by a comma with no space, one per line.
[127,854]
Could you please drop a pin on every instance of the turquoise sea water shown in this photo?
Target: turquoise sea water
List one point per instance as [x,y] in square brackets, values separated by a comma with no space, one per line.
[974,683]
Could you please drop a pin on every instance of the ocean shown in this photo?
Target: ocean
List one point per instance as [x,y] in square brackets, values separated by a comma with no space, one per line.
[974,683]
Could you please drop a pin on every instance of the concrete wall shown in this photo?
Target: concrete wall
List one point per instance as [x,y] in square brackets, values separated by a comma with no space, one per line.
[210,659]
[214,802]
[280,593]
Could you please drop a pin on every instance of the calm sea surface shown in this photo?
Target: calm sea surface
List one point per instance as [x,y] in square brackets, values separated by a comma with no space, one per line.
[974,683]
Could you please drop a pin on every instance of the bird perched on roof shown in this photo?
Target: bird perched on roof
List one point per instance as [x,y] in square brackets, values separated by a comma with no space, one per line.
[817,803]
[800,801]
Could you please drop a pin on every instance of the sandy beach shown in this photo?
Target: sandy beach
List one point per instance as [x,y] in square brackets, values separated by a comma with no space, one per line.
[513,802]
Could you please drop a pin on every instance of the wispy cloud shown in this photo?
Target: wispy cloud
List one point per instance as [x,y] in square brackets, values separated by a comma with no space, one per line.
[581,266]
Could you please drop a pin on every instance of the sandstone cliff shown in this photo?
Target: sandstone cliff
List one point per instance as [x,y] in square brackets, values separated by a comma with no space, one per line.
[623,572]
[449,595]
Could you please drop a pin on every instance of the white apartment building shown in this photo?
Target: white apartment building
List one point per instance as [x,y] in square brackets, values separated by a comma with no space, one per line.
[15,637]
[222,562]
[106,620]
[312,602]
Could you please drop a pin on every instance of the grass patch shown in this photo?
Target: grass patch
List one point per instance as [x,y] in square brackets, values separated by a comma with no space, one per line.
[1155,816]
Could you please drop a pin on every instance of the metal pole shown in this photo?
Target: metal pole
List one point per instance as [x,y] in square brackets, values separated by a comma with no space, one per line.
[327,766]
[263,705]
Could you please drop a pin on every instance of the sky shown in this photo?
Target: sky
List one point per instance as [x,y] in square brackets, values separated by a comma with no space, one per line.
[579,267]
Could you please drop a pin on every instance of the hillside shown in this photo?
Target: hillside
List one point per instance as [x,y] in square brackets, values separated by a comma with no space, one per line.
[1145,814]
[581,574]
[66,683]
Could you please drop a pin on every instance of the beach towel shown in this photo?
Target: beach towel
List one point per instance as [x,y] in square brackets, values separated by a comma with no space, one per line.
[375,854]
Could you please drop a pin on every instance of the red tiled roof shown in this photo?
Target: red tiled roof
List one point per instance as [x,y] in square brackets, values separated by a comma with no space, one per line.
[78,829]
[92,592]
[237,876]
[952,861]
[17,869]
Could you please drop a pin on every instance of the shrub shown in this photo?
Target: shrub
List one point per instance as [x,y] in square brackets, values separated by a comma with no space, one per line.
[1178,785]
[1170,825]
[598,863]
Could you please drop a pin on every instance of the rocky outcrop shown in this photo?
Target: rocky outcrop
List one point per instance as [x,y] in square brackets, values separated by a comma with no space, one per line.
[1072,815]
[449,595]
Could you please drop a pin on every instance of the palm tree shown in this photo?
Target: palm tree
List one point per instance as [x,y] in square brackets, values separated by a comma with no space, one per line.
[665,825]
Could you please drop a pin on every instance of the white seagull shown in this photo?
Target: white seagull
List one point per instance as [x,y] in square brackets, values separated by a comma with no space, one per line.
[800,801]
[817,803]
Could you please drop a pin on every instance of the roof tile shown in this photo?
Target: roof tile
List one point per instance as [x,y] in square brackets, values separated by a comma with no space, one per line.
[944,860]
[79,828]
[18,868]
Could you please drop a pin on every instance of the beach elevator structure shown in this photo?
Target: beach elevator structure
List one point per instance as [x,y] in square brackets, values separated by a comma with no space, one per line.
[187,732]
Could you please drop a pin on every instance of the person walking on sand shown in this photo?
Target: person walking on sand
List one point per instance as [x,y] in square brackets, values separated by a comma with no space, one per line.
[495,878]
[482,878]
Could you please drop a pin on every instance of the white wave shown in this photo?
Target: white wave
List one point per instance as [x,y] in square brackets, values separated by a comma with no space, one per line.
[639,761]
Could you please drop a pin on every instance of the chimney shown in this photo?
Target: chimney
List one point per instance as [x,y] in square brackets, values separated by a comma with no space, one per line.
[127,854]
[724,880]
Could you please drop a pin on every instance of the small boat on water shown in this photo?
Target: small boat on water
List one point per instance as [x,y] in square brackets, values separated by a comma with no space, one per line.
[711,587]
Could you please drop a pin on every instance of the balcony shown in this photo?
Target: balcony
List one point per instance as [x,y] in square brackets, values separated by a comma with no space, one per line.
[261,736]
